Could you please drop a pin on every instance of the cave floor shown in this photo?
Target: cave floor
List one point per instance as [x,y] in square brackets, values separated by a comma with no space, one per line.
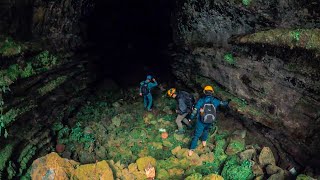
[122,131]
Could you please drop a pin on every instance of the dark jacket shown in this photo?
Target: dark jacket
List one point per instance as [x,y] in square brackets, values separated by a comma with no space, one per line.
[185,102]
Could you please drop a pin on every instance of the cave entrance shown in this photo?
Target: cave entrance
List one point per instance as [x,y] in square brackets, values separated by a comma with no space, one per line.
[130,39]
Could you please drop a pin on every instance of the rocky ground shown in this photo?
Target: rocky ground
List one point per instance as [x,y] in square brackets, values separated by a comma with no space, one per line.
[123,138]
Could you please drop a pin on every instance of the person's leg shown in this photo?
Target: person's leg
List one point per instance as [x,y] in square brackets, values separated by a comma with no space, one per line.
[185,120]
[145,101]
[205,134]
[149,101]
[179,120]
[197,134]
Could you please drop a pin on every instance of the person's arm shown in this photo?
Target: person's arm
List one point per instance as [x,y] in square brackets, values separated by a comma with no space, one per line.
[196,108]
[153,84]
[218,103]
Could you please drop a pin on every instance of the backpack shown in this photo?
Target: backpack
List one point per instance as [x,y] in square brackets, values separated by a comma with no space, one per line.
[189,99]
[145,89]
[209,113]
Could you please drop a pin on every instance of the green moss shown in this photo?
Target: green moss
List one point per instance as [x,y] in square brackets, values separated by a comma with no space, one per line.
[235,146]
[5,154]
[195,176]
[295,35]
[219,155]
[11,171]
[25,157]
[246,2]
[233,169]
[301,38]
[304,177]
[228,57]
[52,85]
[8,47]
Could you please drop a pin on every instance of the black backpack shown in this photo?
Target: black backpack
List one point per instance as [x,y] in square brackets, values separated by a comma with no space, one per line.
[145,89]
[209,113]
[189,99]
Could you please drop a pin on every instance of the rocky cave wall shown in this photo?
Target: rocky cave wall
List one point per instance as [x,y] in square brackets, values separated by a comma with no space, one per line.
[62,24]
[42,81]
[266,53]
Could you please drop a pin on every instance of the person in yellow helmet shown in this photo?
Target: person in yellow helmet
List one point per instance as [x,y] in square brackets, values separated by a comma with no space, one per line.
[184,107]
[205,110]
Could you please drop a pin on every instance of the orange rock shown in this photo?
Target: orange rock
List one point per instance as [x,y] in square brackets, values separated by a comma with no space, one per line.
[52,166]
[164,135]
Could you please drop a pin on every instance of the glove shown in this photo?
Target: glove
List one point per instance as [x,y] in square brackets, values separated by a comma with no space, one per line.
[193,114]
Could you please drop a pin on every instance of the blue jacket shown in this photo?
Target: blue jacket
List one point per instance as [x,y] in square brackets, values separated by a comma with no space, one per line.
[185,102]
[216,102]
[150,84]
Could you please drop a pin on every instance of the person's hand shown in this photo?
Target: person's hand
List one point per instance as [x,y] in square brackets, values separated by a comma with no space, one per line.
[140,94]
[153,79]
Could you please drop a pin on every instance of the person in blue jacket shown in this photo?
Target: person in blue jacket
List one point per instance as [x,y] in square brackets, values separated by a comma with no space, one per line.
[205,109]
[145,91]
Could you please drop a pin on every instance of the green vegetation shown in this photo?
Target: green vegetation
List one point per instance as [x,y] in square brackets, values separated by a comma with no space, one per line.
[297,38]
[27,153]
[295,35]
[8,47]
[228,57]
[76,135]
[52,85]
[5,154]
[233,169]
[40,63]
[246,2]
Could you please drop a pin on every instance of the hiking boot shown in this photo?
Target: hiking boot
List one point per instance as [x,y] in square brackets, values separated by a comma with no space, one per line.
[180,131]
[189,127]
[150,110]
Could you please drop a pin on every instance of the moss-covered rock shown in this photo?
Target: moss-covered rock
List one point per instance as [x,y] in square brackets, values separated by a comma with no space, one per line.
[233,169]
[213,177]
[236,145]
[301,38]
[162,174]
[195,176]
[99,170]
[144,161]
[304,177]
[266,157]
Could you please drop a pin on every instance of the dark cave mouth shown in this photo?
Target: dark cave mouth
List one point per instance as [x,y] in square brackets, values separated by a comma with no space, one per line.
[131,40]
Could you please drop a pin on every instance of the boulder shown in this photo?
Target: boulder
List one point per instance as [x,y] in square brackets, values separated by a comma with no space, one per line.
[257,170]
[278,176]
[99,170]
[52,166]
[195,176]
[266,157]
[213,177]
[143,162]
[247,154]
[236,144]
[272,169]
[162,174]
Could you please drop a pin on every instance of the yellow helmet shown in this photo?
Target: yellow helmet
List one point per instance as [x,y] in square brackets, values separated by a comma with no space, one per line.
[208,88]
[171,91]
